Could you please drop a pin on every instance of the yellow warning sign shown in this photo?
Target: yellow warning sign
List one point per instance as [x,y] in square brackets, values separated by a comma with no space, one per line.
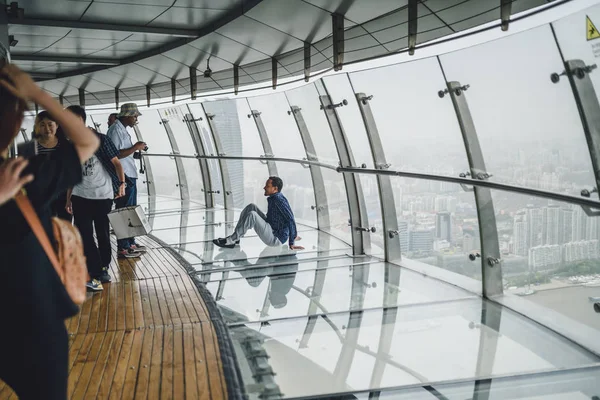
[592,32]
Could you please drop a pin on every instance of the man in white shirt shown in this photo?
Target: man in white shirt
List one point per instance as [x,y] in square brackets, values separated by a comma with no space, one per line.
[122,140]
[90,201]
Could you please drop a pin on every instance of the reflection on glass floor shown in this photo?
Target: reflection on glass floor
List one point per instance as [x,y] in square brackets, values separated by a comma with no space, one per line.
[322,323]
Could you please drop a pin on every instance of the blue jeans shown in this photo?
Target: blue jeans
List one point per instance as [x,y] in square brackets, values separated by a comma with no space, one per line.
[130,199]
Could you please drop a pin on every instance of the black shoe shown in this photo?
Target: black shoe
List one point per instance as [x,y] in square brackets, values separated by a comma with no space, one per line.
[222,242]
[104,277]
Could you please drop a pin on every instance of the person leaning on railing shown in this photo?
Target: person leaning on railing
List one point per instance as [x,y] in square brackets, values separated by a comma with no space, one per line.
[33,301]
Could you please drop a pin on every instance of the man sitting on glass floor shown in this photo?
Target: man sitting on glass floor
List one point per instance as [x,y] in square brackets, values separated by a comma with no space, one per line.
[275,228]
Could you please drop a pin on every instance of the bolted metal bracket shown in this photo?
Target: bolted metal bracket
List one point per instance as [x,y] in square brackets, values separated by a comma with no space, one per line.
[163,121]
[590,212]
[383,166]
[268,155]
[474,256]
[254,114]
[211,191]
[493,261]
[578,72]
[363,229]
[458,91]
[587,193]
[392,233]
[294,110]
[365,99]
[336,105]
[317,208]
[192,119]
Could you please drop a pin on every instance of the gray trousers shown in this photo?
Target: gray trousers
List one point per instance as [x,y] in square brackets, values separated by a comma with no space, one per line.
[252,218]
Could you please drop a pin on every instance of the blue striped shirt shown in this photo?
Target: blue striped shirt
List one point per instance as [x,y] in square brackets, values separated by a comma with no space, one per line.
[281,218]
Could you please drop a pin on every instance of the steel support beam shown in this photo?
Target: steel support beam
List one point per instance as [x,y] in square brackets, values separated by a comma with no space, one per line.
[65,59]
[183,186]
[148,95]
[201,151]
[589,111]
[491,316]
[391,235]
[413,19]
[274,72]
[236,78]
[103,26]
[361,241]
[491,268]
[266,143]
[505,10]
[193,83]
[61,99]
[226,181]
[116,98]
[173,90]
[81,97]
[338,41]
[321,205]
[149,180]
[307,49]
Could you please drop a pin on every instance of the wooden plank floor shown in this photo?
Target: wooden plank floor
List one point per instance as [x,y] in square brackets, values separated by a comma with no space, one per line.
[148,335]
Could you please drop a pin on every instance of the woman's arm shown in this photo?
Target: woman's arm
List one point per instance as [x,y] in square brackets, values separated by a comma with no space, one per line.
[11,180]
[22,86]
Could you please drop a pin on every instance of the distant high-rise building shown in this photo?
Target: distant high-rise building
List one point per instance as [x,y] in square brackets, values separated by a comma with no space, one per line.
[567,216]
[420,240]
[581,250]
[443,226]
[520,234]
[544,256]
[551,225]
[535,227]
[227,124]
[403,235]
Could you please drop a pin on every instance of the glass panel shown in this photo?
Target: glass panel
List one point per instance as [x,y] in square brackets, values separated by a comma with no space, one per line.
[164,176]
[209,146]
[181,133]
[404,346]
[193,176]
[297,187]
[247,182]
[154,133]
[337,205]
[27,124]
[99,121]
[307,99]
[237,132]
[574,45]
[403,107]
[438,224]
[294,294]
[528,127]
[550,254]
[340,89]
[280,126]
[371,194]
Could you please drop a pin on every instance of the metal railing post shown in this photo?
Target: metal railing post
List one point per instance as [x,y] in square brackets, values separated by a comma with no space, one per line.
[321,206]
[201,151]
[491,268]
[391,236]
[264,138]
[359,223]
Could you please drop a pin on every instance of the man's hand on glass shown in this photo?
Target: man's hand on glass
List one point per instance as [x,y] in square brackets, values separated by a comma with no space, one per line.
[294,247]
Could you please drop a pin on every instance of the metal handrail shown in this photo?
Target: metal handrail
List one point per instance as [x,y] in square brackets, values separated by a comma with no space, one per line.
[583,202]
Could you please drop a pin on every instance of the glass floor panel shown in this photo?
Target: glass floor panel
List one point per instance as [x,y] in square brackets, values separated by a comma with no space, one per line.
[254,247]
[413,345]
[262,295]
[203,233]
[242,269]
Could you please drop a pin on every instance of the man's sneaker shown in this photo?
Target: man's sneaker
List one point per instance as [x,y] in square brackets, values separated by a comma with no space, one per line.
[104,277]
[138,247]
[223,242]
[94,286]
[128,253]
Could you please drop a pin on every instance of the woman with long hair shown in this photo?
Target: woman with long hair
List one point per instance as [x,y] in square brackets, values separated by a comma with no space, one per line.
[33,301]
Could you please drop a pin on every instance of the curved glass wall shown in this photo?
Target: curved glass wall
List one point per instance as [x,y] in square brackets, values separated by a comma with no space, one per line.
[335,321]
